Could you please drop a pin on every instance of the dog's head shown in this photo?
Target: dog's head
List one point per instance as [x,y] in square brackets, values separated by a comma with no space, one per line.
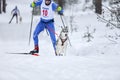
[64,33]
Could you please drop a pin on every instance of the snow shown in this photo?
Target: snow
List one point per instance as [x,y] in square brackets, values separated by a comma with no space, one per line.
[57,68]
[95,60]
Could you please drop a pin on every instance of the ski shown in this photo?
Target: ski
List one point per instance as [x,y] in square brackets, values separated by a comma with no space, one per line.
[36,54]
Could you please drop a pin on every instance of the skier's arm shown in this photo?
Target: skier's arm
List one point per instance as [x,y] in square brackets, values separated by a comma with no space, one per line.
[54,6]
[12,11]
[58,8]
[37,3]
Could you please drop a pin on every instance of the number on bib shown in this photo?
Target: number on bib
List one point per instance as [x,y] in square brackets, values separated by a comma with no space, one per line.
[45,12]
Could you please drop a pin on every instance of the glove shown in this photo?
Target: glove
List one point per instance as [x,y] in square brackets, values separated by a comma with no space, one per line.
[59,8]
[60,11]
[33,4]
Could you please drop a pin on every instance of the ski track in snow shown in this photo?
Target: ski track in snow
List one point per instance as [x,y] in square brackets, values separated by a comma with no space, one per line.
[18,67]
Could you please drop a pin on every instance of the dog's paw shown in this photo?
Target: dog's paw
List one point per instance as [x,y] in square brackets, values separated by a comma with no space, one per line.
[60,54]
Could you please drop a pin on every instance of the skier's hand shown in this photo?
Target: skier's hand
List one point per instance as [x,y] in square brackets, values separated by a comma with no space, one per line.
[60,10]
[33,4]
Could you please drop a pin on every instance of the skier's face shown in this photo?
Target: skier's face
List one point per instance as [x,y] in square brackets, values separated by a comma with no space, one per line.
[47,2]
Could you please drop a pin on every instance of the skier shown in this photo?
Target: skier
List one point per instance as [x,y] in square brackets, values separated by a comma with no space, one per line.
[15,12]
[46,22]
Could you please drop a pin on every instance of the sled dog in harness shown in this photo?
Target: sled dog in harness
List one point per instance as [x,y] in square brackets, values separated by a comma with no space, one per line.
[62,42]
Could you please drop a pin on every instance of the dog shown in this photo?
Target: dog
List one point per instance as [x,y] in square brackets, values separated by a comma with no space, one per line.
[62,42]
[20,19]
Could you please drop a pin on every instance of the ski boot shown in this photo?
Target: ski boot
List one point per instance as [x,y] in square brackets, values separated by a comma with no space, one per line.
[35,51]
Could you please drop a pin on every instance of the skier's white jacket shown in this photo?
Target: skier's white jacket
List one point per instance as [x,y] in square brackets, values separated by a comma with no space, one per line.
[47,11]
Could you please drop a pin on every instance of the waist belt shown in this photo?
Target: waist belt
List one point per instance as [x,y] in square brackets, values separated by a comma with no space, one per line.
[49,21]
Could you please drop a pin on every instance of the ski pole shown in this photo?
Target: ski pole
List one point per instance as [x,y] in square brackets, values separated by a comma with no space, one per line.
[64,27]
[62,21]
[69,41]
[31,26]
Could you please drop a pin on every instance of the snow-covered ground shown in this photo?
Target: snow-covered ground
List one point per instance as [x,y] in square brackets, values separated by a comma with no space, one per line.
[95,60]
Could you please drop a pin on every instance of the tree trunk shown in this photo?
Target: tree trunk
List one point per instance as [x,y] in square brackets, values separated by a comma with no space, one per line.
[61,3]
[0,7]
[98,6]
[4,6]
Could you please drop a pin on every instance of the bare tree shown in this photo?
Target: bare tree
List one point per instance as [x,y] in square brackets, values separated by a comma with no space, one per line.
[88,34]
[0,7]
[4,6]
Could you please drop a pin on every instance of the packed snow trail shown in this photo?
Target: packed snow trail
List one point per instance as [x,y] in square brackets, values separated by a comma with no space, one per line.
[22,67]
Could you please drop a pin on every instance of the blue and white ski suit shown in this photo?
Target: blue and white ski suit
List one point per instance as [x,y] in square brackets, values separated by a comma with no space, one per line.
[46,21]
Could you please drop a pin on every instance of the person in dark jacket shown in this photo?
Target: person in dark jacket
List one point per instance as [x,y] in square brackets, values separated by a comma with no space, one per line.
[15,13]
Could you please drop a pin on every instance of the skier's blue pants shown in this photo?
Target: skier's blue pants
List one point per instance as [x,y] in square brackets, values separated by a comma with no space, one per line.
[40,27]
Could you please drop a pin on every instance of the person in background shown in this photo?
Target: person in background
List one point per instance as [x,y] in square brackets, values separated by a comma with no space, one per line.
[48,7]
[15,13]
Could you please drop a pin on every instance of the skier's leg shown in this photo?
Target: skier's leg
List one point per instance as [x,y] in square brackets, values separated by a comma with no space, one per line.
[39,28]
[11,18]
[16,18]
[51,30]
